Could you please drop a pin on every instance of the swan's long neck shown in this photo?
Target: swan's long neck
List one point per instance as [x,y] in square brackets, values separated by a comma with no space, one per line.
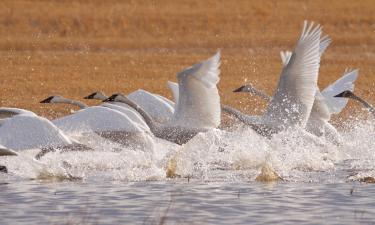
[101,97]
[72,102]
[148,119]
[262,94]
[232,111]
[255,122]
[366,104]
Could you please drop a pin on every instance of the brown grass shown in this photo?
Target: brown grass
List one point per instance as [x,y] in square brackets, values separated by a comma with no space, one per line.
[74,48]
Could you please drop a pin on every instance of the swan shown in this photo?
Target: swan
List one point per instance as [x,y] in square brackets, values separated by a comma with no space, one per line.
[134,116]
[294,97]
[29,131]
[107,122]
[198,107]
[323,106]
[349,94]
[158,107]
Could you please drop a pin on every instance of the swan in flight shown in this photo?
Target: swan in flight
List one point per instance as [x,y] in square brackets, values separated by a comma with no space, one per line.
[198,107]
[349,94]
[323,106]
[158,107]
[294,97]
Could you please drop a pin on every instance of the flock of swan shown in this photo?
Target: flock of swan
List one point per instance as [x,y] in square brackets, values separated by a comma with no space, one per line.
[135,119]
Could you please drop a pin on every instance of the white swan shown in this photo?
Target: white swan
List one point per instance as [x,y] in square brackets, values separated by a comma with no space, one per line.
[323,107]
[28,131]
[130,113]
[198,107]
[107,122]
[324,104]
[294,97]
[158,107]
[349,94]
[9,112]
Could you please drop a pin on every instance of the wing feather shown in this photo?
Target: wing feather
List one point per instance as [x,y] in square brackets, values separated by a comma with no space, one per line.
[294,97]
[199,101]
[346,82]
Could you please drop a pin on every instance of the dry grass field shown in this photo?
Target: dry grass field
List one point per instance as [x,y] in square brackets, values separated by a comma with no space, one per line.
[73,48]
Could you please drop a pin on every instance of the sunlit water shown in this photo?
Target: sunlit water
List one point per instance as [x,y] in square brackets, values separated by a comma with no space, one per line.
[214,181]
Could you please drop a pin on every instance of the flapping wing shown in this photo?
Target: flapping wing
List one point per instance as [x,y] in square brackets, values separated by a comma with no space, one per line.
[295,94]
[199,101]
[346,82]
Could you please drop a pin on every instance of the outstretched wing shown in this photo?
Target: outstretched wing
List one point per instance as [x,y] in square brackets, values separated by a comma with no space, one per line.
[199,101]
[346,82]
[294,97]
[323,45]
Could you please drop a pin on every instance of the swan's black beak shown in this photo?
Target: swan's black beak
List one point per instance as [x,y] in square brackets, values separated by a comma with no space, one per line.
[90,96]
[111,99]
[240,89]
[3,169]
[345,94]
[47,100]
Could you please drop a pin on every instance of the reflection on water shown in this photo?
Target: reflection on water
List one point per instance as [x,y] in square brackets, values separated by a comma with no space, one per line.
[186,203]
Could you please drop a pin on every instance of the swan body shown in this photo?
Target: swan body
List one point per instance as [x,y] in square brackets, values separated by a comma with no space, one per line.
[175,134]
[294,97]
[91,120]
[158,107]
[9,112]
[198,104]
[96,119]
[198,107]
[325,103]
[27,131]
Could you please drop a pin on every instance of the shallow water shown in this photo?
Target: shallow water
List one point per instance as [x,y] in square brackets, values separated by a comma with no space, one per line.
[186,203]
[214,181]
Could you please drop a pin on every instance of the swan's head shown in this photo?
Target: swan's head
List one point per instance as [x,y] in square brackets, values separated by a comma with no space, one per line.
[98,95]
[52,99]
[115,98]
[345,94]
[246,88]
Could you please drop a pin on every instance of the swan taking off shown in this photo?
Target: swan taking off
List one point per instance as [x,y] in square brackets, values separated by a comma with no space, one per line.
[110,121]
[324,105]
[198,107]
[158,107]
[349,94]
[294,97]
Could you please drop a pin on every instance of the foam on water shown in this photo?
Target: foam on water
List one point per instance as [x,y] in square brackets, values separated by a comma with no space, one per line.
[218,155]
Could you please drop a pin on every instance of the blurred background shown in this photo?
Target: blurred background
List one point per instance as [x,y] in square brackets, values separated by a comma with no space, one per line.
[73,48]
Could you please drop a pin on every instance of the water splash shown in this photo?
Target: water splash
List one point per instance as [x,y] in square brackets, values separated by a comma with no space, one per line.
[238,154]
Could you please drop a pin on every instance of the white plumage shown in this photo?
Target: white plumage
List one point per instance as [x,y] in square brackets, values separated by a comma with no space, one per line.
[198,97]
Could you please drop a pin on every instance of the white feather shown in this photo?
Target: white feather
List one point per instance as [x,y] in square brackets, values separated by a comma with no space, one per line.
[346,82]
[158,108]
[295,94]
[199,101]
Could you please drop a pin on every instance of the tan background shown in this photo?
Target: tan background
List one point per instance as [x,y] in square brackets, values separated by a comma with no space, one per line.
[73,48]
